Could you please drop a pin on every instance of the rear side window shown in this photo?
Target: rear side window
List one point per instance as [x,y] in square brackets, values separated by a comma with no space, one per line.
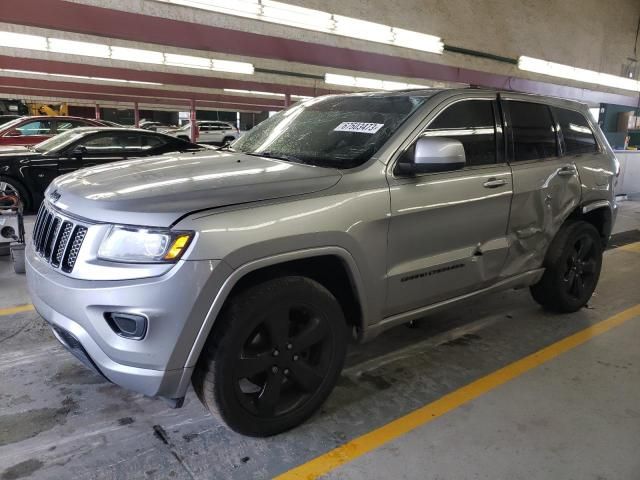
[471,122]
[151,141]
[577,134]
[534,136]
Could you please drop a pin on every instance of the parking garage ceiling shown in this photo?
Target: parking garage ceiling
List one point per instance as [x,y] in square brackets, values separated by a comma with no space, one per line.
[156,52]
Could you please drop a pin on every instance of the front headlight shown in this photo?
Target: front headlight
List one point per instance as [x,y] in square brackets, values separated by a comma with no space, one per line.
[143,245]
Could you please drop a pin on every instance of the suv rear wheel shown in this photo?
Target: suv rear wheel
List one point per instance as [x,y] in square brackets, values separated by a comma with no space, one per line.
[274,356]
[573,266]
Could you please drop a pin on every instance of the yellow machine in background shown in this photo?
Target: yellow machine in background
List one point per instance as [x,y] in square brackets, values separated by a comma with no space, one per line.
[50,110]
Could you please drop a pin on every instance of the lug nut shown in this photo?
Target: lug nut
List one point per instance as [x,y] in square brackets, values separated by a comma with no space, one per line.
[286,371]
[274,369]
[289,346]
[276,353]
[295,358]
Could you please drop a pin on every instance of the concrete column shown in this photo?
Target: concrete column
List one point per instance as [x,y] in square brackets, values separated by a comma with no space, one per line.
[97,112]
[287,100]
[136,115]
[192,119]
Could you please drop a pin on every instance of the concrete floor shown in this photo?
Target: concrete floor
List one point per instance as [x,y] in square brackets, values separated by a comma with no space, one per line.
[576,417]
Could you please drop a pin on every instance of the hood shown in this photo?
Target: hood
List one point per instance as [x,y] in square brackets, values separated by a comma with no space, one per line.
[156,191]
[17,150]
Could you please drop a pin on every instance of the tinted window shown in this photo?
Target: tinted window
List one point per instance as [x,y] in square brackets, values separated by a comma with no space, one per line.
[472,123]
[150,141]
[102,143]
[533,133]
[578,137]
[38,127]
[64,125]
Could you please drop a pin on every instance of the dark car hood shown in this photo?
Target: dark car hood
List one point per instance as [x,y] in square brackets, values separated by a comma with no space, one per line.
[157,191]
[17,151]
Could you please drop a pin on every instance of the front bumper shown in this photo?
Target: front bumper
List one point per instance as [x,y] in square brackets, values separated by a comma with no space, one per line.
[175,304]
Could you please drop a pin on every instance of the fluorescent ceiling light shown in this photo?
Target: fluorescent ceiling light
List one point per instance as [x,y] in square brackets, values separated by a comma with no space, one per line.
[578,74]
[277,12]
[253,92]
[21,40]
[368,83]
[101,50]
[73,47]
[137,55]
[319,21]
[187,61]
[232,67]
[80,77]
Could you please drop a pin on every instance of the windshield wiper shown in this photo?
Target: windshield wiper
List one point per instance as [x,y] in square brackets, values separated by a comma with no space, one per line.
[225,148]
[287,158]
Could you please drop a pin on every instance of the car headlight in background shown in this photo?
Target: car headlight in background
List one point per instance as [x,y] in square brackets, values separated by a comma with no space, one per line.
[143,245]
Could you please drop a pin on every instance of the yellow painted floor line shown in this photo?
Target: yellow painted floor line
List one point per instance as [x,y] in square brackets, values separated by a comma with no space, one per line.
[632,247]
[370,441]
[14,310]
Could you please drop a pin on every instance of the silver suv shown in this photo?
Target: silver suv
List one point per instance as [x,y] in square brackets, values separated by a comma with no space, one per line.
[246,270]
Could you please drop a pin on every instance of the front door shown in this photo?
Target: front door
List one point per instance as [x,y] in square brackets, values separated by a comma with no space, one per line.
[448,230]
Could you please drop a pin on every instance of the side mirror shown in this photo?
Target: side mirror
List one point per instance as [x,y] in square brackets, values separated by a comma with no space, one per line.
[432,154]
[78,151]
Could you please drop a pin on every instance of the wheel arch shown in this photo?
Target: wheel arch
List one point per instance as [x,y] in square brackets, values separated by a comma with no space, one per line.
[599,214]
[319,264]
[30,196]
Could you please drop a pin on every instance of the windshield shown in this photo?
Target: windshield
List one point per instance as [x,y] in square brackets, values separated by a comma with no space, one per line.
[59,141]
[333,131]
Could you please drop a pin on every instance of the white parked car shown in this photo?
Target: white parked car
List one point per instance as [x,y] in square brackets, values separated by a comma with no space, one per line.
[210,131]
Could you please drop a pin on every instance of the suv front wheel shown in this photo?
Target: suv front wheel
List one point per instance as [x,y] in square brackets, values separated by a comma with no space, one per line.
[572,269]
[274,356]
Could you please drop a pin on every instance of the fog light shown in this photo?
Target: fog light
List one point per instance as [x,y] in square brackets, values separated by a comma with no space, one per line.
[127,325]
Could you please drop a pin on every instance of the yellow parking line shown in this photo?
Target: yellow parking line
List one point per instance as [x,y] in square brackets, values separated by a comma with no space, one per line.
[632,247]
[14,310]
[370,441]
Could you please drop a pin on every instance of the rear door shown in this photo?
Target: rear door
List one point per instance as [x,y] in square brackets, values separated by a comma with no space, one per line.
[447,233]
[546,187]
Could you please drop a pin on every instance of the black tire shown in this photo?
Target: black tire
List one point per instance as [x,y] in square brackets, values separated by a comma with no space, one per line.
[226,140]
[264,374]
[16,186]
[572,269]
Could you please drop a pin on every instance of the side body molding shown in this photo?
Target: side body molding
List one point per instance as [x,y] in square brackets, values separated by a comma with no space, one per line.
[247,268]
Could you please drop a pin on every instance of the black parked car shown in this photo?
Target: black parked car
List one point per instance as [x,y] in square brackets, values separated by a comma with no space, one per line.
[28,170]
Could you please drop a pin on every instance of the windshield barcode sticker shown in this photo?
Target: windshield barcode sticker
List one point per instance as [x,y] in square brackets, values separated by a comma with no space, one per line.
[359,127]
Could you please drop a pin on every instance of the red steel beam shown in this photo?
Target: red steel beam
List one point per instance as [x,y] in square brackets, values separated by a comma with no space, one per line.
[178,104]
[136,92]
[199,81]
[138,27]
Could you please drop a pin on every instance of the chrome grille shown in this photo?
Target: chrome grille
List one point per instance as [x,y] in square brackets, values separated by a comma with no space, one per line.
[58,239]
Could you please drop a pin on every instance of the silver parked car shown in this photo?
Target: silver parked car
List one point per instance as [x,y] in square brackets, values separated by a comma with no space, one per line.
[246,270]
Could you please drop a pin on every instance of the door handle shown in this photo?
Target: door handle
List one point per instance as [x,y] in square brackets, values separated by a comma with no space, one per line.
[494,183]
[567,171]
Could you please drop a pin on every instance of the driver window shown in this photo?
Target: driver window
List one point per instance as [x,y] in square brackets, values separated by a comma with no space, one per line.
[472,123]
[38,127]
